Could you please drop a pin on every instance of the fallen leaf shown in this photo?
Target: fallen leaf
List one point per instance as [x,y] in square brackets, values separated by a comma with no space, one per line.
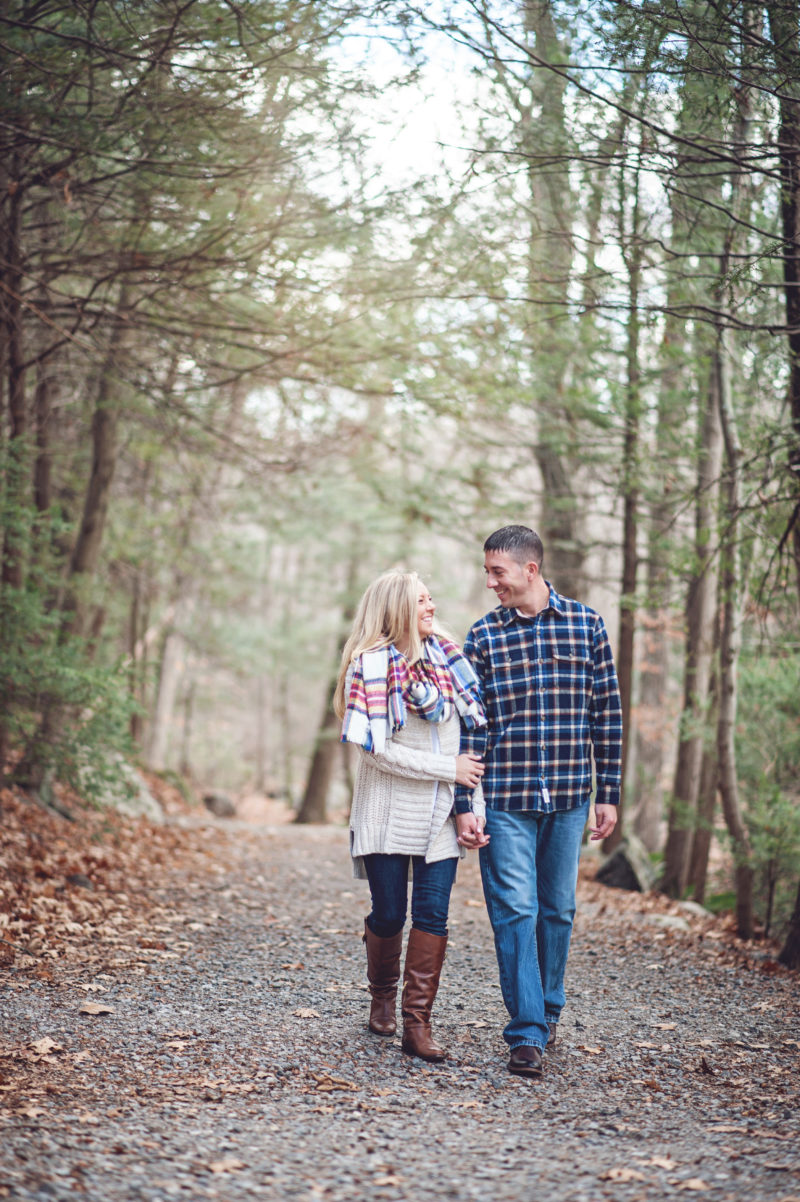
[94,1008]
[292,966]
[694,1183]
[591,1051]
[30,1112]
[43,1047]
[326,1083]
[622,1175]
[665,1026]
[306,1013]
[228,1164]
[663,1162]
[391,1179]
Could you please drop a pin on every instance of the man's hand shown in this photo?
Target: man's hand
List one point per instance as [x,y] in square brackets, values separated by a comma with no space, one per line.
[605,820]
[470,831]
[469,770]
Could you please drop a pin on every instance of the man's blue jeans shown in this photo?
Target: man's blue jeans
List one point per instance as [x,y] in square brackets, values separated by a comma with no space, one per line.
[430,893]
[530,871]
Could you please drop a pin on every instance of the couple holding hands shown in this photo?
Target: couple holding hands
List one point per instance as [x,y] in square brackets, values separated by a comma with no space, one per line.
[489,748]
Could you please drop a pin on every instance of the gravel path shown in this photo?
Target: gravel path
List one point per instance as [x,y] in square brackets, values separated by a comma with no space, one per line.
[235,1062]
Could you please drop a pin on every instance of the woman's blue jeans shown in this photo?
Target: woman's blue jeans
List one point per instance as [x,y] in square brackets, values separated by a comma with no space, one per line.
[530,870]
[430,893]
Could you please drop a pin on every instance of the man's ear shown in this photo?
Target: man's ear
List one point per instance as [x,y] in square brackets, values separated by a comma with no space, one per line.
[532,568]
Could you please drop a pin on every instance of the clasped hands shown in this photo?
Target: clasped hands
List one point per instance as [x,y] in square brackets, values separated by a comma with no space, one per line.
[469,827]
[470,832]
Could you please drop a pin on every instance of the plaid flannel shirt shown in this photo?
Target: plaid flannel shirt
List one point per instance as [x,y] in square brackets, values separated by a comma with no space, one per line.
[551,695]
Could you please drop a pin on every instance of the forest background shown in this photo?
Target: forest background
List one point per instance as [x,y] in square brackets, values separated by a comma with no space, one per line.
[292,292]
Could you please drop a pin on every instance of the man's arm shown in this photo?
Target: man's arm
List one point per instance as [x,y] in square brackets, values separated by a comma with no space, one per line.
[605,726]
[473,742]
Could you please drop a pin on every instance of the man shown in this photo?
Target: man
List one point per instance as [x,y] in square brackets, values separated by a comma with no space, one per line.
[552,701]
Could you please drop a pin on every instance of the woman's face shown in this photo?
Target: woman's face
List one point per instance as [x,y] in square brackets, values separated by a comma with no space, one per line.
[425,611]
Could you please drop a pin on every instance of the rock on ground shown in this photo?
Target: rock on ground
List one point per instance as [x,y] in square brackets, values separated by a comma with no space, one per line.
[218,1050]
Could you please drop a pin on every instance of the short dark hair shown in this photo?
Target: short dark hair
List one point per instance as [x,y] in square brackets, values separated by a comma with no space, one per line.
[520,541]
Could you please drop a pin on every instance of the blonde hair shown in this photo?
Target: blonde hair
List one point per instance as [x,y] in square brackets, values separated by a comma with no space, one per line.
[387,613]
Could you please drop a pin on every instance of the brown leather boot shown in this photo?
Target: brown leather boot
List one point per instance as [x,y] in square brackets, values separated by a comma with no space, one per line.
[424,959]
[383,973]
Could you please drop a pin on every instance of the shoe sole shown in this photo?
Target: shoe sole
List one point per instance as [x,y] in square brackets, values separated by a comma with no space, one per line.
[534,1073]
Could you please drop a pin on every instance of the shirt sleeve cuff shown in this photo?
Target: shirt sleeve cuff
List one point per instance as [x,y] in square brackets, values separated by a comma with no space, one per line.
[607,795]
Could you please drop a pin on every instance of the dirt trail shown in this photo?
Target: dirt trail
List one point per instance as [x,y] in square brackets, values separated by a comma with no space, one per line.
[230,1058]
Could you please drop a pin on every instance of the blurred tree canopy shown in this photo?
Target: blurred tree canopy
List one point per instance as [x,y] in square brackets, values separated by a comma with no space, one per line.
[253,352]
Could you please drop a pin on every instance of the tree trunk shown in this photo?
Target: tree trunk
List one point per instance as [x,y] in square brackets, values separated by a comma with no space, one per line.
[43,411]
[262,729]
[783,26]
[185,756]
[14,548]
[313,807]
[173,660]
[667,447]
[700,608]
[550,242]
[732,585]
[632,251]
[790,952]
[105,423]
[327,747]
[707,793]
[734,563]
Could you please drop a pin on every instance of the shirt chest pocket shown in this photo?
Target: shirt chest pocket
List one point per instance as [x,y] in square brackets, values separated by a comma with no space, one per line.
[570,672]
[510,677]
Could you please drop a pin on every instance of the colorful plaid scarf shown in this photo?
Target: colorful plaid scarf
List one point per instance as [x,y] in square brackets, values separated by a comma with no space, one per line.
[383,685]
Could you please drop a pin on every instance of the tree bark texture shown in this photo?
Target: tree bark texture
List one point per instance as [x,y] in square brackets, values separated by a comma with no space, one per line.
[783,23]
[632,253]
[732,587]
[17,469]
[313,807]
[707,793]
[700,606]
[790,952]
[105,425]
[550,259]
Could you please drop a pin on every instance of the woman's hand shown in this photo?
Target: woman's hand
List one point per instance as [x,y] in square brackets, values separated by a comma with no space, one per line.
[469,770]
[469,831]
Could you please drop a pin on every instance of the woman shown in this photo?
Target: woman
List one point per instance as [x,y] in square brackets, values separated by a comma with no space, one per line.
[402,693]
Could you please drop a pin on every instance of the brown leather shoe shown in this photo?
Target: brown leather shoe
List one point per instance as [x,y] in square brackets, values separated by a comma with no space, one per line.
[526,1061]
[551,1038]
[424,959]
[383,974]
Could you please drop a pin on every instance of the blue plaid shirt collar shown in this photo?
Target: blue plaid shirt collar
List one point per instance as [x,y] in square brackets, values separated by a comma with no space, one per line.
[506,616]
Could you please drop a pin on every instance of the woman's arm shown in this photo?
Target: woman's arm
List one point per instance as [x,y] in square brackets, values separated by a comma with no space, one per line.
[416,764]
[427,765]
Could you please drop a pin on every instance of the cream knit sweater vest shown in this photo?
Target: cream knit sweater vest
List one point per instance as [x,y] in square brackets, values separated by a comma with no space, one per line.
[403,796]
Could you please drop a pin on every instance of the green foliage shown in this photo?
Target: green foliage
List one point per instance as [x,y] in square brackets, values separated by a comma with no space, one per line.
[768,752]
[46,678]
[721,903]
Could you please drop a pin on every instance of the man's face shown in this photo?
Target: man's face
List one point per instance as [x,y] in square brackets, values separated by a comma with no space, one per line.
[508,578]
